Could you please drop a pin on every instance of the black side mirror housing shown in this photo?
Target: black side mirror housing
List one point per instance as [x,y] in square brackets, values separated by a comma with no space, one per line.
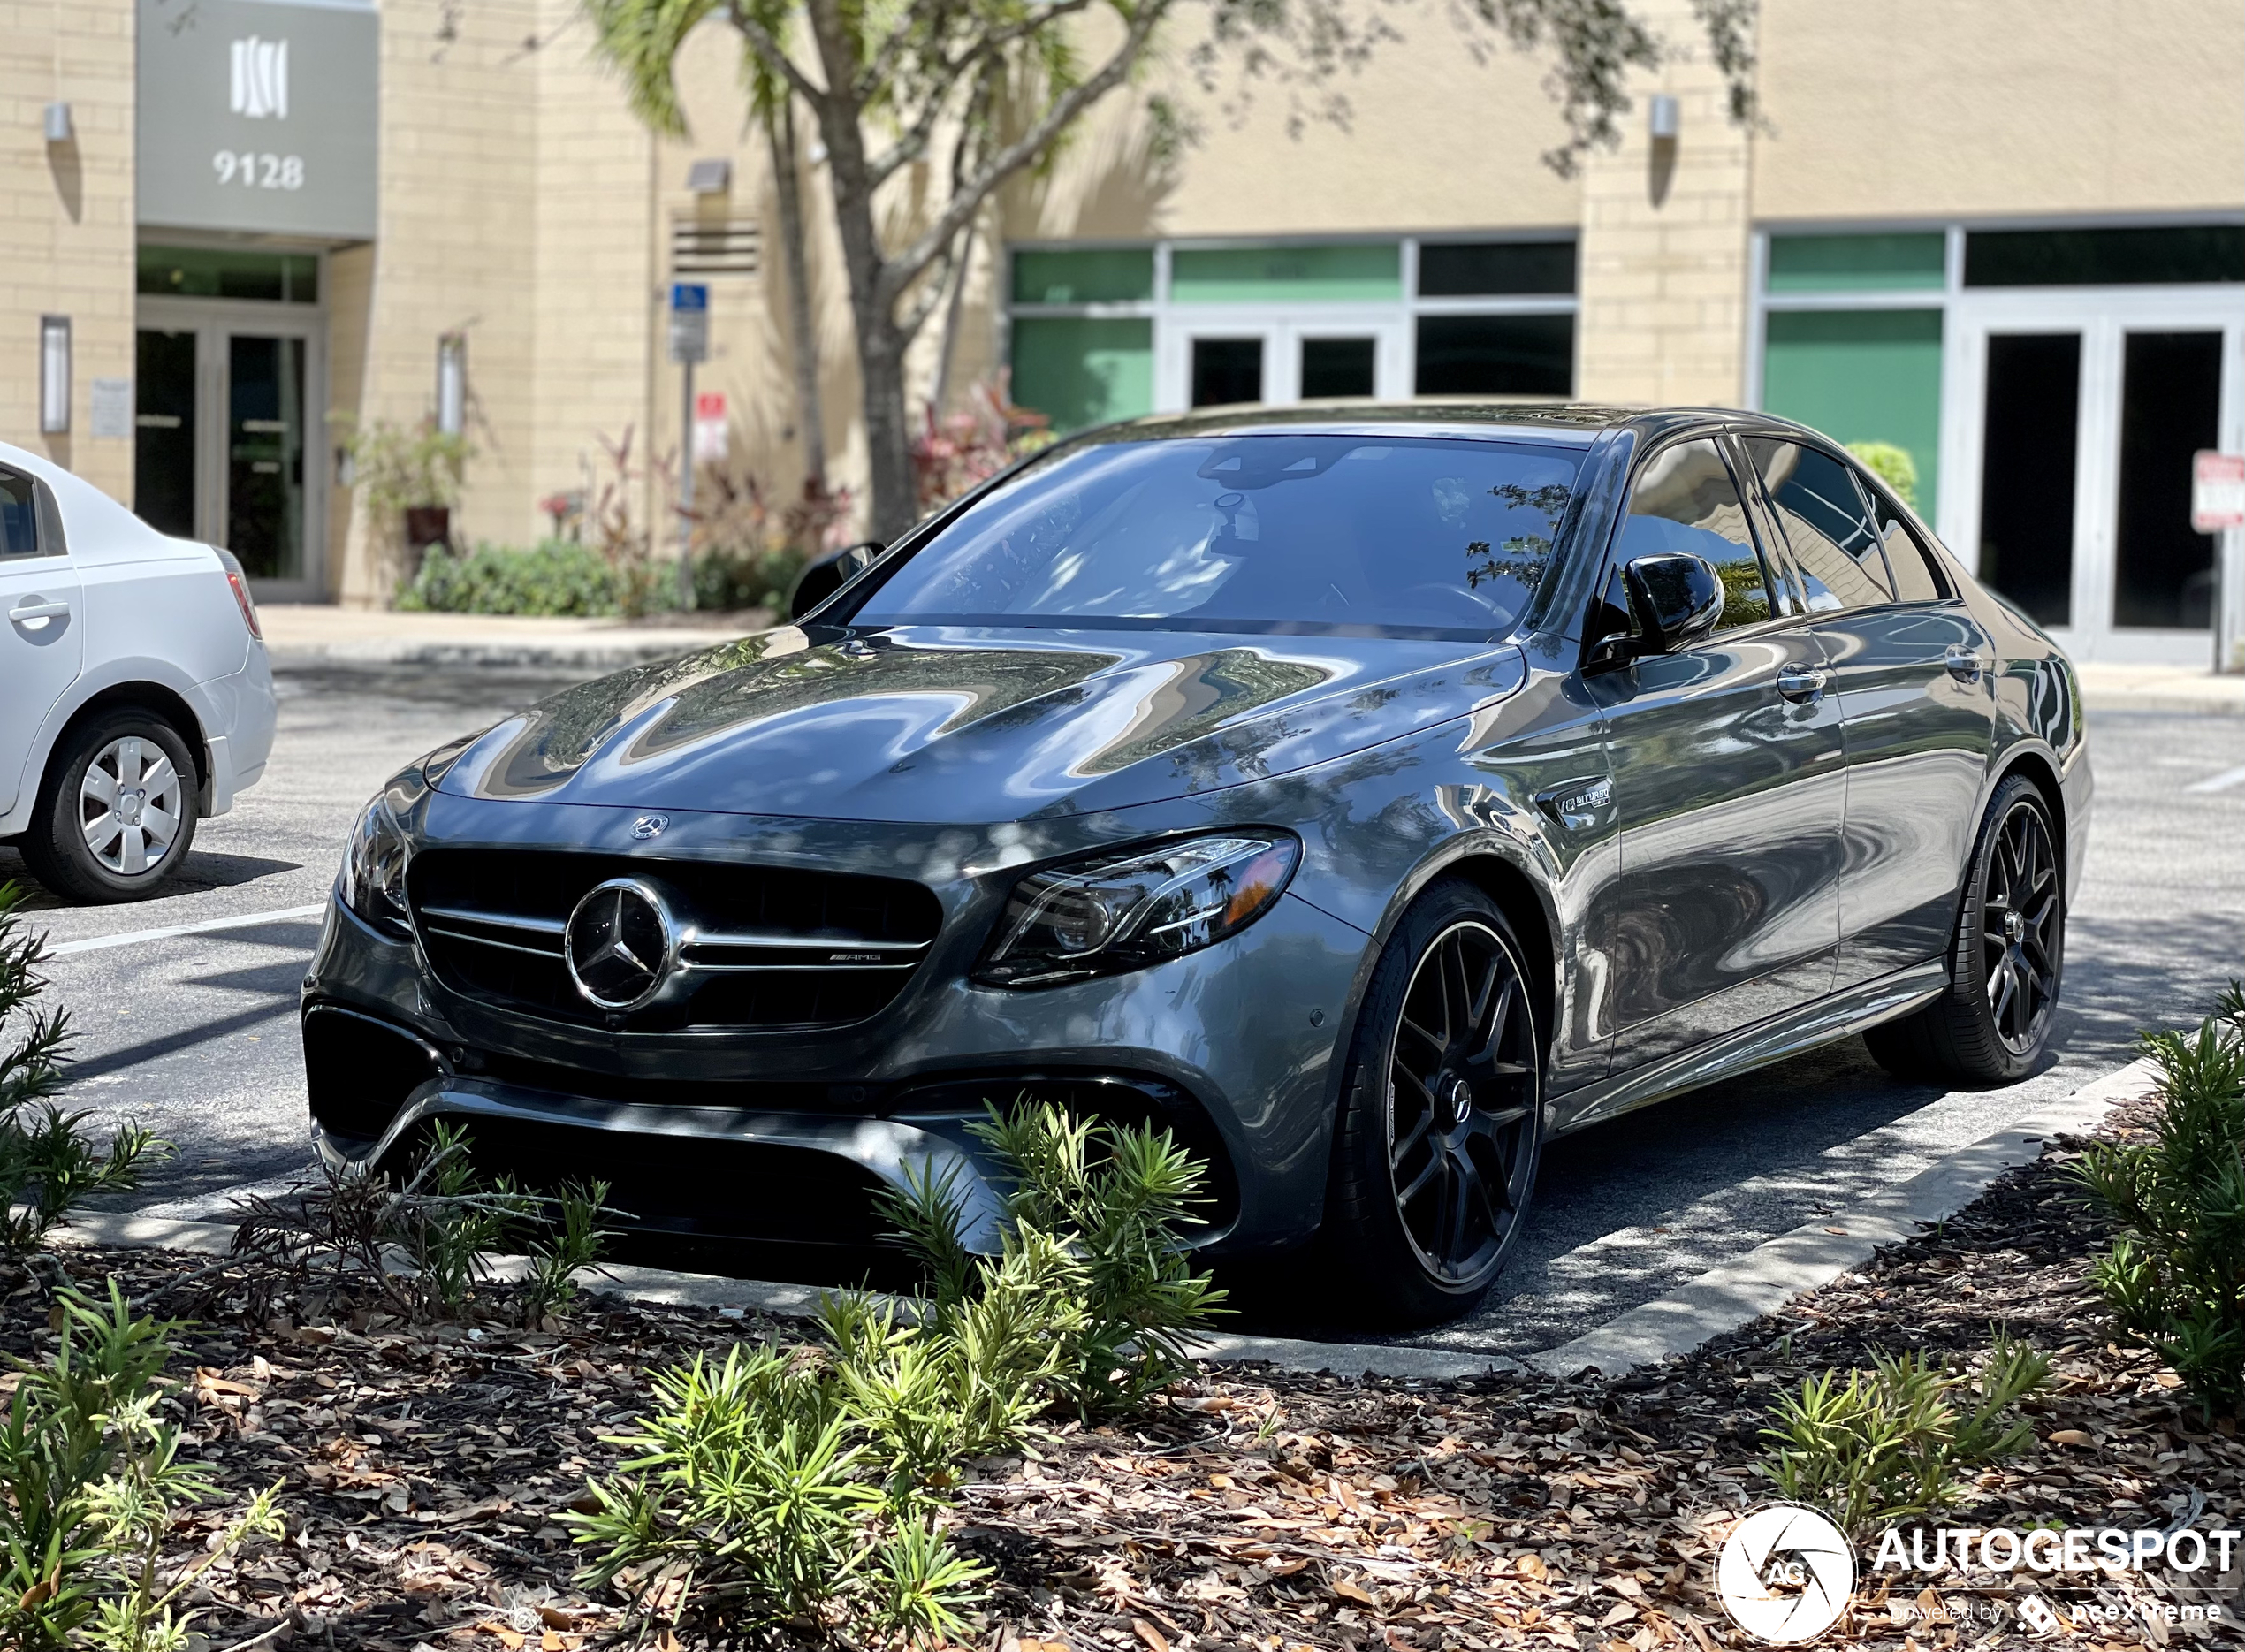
[1677,598]
[823,575]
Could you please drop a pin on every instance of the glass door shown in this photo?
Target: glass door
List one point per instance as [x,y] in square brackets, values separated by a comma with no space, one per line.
[2080,414]
[1279,356]
[226,449]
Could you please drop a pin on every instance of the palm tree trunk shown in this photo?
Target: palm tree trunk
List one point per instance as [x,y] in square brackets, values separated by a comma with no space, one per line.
[810,414]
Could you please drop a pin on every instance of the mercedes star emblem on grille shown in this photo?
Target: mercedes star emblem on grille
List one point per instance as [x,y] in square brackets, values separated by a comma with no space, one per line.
[619,944]
[650,827]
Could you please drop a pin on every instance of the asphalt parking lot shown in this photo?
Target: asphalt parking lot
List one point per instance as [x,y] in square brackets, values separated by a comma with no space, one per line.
[195,1035]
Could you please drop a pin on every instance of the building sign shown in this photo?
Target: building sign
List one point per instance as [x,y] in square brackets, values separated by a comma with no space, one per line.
[259,116]
[2217,491]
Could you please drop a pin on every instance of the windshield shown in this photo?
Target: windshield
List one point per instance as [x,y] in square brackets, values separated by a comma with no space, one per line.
[1249,533]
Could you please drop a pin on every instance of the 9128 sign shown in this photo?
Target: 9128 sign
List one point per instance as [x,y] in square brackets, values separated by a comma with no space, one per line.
[254,169]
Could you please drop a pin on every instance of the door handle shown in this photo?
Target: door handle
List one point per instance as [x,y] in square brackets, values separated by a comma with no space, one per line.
[1803,685]
[1962,663]
[38,608]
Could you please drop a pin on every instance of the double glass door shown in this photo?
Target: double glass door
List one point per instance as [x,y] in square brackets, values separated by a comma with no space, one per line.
[2074,465]
[227,409]
[1226,360]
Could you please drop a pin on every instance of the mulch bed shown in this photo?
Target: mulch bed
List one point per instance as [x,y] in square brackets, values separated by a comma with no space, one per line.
[423,1471]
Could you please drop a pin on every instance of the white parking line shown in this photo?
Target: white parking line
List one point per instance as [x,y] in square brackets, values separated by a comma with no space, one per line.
[2220,782]
[133,937]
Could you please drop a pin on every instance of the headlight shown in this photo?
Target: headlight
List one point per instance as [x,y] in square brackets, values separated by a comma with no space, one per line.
[1102,915]
[374,871]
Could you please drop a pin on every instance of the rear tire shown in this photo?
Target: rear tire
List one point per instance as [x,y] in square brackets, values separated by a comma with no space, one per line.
[116,813]
[2007,963]
[1441,1117]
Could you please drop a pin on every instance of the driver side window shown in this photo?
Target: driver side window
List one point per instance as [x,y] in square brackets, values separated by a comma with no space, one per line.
[1685,500]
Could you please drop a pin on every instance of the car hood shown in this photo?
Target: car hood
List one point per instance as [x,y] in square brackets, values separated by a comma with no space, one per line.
[962,725]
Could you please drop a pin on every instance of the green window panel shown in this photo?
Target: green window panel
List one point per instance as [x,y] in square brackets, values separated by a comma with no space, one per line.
[1856,264]
[1861,376]
[230,272]
[1094,275]
[1081,371]
[1263,274]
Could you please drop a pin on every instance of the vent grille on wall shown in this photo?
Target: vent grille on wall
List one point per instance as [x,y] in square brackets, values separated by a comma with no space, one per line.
[713,247]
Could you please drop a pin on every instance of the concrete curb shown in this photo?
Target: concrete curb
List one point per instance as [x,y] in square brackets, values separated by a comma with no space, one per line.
[1811,1255]
[1722,1299]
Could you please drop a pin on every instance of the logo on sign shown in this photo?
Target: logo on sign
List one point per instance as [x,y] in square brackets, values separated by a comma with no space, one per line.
[258,84]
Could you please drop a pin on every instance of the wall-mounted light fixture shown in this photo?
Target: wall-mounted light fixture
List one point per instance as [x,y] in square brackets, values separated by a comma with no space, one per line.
[54,375]
[710,177]
[1666,118]
[58,127]
[452,382]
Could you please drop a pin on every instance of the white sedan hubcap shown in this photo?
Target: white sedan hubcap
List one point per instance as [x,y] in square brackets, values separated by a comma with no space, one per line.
[130,805]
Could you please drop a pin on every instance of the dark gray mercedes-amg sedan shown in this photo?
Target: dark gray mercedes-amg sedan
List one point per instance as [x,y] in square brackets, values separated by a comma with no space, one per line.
[1369,793]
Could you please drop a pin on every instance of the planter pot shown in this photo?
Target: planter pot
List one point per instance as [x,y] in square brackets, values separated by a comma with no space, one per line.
[426,525]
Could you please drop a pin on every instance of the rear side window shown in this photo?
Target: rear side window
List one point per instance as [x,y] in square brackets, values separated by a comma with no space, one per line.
[1825,523]
[1916,571]
[1685,500]
[20,514]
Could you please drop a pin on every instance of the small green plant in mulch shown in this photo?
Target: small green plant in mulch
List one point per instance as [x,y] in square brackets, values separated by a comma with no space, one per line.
[421,1250]
[48,1159]
[2175,1276]
[91,1484]
[803,1488]
[1894,1442]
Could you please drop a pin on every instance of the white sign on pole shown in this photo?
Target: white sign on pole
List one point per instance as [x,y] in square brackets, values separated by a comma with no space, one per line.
[689,322]
[2217,492]
[711,432]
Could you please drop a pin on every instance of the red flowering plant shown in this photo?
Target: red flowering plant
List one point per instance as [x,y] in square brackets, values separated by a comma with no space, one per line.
[974,443]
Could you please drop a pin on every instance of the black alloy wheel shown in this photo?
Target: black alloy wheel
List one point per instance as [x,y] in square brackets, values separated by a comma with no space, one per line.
[2007,963]
[1442,1125]
[2019,920]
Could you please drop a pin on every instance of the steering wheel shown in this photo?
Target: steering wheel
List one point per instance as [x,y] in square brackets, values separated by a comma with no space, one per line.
[1448,600]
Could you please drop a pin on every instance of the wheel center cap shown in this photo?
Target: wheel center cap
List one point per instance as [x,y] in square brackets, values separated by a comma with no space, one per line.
[2014,926]
[129,805]
[1461,1102]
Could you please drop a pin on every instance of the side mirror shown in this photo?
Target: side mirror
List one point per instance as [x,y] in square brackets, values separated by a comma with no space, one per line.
[822,577]
[1677,598]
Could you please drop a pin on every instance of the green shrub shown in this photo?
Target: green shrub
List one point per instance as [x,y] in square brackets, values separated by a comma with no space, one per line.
[48,1161]
[1891,465]
[797,1489]
[344,1232]
[555,577]
[1891,1444]
[2176,1276]
[90,1483]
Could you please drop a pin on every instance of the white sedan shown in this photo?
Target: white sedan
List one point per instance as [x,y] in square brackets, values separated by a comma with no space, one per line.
[136,696]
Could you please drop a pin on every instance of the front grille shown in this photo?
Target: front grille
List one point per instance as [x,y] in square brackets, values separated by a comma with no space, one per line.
[761,946]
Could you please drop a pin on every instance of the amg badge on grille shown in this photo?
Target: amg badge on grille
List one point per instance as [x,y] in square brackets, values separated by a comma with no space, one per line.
[619,944]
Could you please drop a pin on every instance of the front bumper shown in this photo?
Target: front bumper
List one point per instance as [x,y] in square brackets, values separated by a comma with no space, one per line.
[780,1135]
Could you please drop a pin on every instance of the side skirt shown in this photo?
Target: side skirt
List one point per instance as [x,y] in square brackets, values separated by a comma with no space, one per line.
[1826,1021]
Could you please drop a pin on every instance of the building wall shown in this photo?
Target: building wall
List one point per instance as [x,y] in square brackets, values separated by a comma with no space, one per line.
[66,231]
[1920,108]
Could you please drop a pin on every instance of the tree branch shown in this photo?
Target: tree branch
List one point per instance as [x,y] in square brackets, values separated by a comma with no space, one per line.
[762,42]
[900,271]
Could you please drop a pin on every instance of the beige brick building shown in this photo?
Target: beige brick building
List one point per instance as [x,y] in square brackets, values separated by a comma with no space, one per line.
[2008,237]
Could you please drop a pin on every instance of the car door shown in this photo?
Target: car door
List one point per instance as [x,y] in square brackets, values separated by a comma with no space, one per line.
[1913,668]
[1729,775]
[39,625]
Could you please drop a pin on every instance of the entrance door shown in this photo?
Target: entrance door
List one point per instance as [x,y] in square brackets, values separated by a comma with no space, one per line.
[224,446]
[2081,417]
[1277,359]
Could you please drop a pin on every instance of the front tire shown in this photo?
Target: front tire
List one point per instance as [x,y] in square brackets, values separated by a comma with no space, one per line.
[1442,1121]
[117,810]
[2007,963]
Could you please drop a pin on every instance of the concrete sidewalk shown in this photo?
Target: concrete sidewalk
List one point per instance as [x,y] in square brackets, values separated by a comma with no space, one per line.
[303,633]
[2111,688]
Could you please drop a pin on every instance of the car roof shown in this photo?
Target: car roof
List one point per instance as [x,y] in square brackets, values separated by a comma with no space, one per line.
[1573,423]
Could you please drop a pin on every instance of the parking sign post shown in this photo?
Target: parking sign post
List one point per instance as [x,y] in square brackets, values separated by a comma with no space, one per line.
[690,342]
[2218,507]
